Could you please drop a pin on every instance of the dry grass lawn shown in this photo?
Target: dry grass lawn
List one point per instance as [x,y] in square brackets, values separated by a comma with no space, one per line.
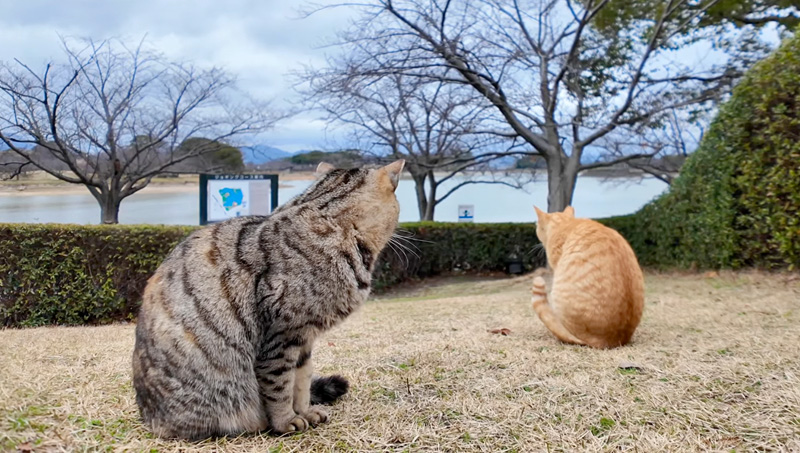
[717,368]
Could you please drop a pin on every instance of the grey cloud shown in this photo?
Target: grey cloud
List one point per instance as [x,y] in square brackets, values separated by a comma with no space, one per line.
[259,42]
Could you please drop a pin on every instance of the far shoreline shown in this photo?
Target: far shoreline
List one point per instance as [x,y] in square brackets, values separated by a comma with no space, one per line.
[48,186]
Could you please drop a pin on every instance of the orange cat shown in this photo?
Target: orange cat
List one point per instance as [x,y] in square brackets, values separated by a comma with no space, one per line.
[594,293]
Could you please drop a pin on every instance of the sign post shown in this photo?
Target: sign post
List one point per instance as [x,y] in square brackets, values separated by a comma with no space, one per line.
[466,213]
[226,196]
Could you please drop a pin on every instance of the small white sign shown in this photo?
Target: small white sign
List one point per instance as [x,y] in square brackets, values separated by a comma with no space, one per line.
[466,213]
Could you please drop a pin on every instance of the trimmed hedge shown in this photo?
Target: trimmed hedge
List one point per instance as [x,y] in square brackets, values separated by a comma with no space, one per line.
[72,274]
[736,202]
[75,274]
[438,248]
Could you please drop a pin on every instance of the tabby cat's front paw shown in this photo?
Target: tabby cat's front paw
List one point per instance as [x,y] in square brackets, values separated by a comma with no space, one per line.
[316,415]
[296,424]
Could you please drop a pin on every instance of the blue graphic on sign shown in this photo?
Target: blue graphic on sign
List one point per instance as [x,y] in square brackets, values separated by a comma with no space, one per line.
[231,198]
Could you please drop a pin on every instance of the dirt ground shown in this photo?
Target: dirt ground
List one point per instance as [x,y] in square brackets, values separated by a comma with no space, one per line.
[714,366]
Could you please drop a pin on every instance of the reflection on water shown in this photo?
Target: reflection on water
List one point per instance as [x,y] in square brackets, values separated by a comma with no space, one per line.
[493,203]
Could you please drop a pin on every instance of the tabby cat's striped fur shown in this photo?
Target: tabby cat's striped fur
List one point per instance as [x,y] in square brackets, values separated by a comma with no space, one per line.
[227,324]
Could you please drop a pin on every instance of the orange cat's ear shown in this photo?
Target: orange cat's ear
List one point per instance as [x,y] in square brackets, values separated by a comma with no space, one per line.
[324,168]
[570,211]
[540,214]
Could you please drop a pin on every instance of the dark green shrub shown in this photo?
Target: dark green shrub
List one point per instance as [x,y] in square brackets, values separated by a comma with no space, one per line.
[71,274]
[737,200]
[67,274]
[449,247]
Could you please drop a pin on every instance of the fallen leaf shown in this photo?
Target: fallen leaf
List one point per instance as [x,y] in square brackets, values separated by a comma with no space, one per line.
[330,343]
[502,331]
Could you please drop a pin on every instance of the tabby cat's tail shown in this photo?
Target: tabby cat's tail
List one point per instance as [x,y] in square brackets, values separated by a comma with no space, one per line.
[327,389]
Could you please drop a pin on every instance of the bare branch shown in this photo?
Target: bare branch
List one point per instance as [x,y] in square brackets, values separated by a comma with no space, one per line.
[116,116]
[554,74]
[476,181]
[620,160]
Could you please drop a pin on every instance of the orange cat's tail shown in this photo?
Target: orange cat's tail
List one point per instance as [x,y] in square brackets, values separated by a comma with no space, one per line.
[546,314]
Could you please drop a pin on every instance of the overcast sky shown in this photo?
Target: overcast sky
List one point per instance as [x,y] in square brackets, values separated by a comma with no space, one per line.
[258,41]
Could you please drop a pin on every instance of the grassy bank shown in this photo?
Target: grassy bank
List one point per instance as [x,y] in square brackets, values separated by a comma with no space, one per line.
[712,367]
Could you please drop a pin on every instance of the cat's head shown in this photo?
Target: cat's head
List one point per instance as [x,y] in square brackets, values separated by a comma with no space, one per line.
[547,221]
[364,197]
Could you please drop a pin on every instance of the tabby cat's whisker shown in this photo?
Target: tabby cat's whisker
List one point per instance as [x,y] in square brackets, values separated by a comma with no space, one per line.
[397,252]
[405,243]
[405,234]
[408,252]
[405,240]
[410,246]
[400,252]
[404,246]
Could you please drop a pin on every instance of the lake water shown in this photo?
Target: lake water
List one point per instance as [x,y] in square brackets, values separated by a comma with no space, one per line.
[594,197]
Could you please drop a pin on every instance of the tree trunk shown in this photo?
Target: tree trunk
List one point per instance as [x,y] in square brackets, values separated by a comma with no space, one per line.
[431,197]
[561,178]
[109,208]
[422,199]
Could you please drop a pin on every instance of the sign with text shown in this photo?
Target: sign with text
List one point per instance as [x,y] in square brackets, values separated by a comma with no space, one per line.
[223,197]
[466,213]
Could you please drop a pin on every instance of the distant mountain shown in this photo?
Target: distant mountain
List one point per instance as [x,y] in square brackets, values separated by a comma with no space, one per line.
[260,154]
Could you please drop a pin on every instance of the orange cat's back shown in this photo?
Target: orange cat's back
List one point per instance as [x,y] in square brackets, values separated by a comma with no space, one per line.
[597,286]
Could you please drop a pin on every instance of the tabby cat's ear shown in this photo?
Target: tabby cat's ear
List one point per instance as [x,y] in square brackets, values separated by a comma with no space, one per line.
[324,168]
[570,211]
[394,170]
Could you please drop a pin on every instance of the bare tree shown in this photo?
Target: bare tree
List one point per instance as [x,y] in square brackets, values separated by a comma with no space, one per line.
[672,144]
[560,82]
[435,126]
[116,117]
[666,145]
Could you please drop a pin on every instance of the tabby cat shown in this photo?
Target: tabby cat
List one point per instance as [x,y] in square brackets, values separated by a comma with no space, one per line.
[593,290]
[228,321]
